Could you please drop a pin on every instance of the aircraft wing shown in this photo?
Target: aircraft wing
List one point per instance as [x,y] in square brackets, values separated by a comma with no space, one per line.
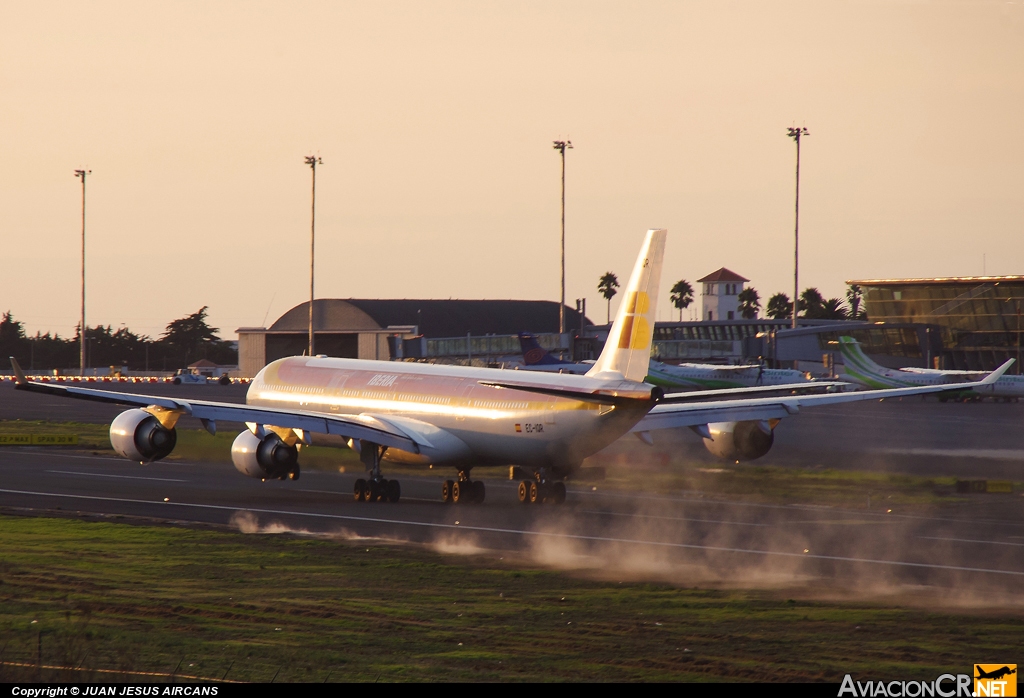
[674,415]
[347,426]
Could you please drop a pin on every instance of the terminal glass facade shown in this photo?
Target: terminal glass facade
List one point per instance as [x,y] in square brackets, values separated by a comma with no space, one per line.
[979,317]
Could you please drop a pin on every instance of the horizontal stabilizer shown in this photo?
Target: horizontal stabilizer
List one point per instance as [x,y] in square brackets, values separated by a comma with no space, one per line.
[600,397]
[693,395]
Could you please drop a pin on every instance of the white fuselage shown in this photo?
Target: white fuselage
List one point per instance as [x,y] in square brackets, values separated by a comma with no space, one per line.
[456,419]
[711,377]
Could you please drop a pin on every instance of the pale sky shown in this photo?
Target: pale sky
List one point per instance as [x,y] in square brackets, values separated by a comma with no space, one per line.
[435,122]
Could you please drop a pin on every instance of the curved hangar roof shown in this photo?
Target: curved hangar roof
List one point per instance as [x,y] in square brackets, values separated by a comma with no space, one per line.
[436,318]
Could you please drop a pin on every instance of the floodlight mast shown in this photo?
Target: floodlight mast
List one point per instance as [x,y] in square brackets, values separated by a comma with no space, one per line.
[561,147]
[796,134]
[81,174]
[312,161]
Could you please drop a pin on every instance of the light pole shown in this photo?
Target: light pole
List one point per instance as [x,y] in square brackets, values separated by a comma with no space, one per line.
[312,161]
[81,327]
[795,134]
[561,147]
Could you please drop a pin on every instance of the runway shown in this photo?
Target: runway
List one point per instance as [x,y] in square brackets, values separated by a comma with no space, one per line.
[973,550]
[970,550]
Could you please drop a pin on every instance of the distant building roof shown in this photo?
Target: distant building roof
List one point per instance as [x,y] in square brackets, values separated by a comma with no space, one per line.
[435,318]
[722,274]
[939,280]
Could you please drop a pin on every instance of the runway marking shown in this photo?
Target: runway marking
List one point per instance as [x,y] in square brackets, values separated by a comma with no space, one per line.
[671,518]
[539,534]
[619,495]
[122,477]
[968,540]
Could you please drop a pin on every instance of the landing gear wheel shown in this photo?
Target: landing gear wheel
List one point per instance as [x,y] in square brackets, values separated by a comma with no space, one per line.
[459,493]
[479,491]
[359,490]
[524,491]
[534,495]
[446,491]
[294,473]
[558,492]
[374,491]
[394,491]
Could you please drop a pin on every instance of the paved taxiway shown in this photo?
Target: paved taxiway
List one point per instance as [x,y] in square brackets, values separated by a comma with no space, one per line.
[975,549]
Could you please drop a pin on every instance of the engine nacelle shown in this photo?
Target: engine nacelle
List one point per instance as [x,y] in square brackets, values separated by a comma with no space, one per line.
[269,457]
[139,436]
[739,441]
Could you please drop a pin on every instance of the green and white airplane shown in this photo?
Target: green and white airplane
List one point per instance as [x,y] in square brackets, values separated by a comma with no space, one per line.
[714,377]
[859,369]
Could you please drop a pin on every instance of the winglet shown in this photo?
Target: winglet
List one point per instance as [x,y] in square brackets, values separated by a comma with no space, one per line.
[997,374]
[19,375]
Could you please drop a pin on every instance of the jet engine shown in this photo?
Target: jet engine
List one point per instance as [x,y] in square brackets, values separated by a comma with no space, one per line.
[269,457]
[139,436]
[739,441]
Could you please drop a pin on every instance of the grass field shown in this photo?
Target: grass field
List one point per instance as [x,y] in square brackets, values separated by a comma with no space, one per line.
[255,607]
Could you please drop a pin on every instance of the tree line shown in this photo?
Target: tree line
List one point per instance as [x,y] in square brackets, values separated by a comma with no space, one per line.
[811,304]
[183,342]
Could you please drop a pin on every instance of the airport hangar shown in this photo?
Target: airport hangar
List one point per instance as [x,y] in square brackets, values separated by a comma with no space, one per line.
[481,332]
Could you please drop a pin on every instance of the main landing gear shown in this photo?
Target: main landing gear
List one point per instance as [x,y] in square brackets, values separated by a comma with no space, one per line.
[376,488]
[463,490]
[537,491]
[381,490]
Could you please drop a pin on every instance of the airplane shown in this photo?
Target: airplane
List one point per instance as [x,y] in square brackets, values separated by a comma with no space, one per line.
[858,368]
[995,674]
[686,375]
[463,416]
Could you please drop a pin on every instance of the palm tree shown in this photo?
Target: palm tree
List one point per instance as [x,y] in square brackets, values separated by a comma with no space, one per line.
[811,303]
[779,307]
[750,303]
[854,297]
[608,286]
[833,309]
[682,296]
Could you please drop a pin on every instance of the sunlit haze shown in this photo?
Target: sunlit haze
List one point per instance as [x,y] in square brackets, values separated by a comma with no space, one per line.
[435,121]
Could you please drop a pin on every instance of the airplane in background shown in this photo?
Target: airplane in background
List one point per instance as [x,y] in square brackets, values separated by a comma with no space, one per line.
[537,358]
[858,368]
[686,375]
[463,416]
[712,377]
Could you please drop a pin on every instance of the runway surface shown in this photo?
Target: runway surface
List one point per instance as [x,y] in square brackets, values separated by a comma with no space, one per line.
[977,549]
[972,552]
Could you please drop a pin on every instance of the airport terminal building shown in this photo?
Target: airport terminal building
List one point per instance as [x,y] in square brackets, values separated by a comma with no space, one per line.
[977,318]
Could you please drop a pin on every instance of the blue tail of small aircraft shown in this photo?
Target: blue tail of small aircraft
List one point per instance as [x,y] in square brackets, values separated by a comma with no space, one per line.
[536,355]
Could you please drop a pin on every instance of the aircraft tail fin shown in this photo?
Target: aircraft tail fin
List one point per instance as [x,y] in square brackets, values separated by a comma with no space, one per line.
[855,358]
[627,353]
[534,354]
